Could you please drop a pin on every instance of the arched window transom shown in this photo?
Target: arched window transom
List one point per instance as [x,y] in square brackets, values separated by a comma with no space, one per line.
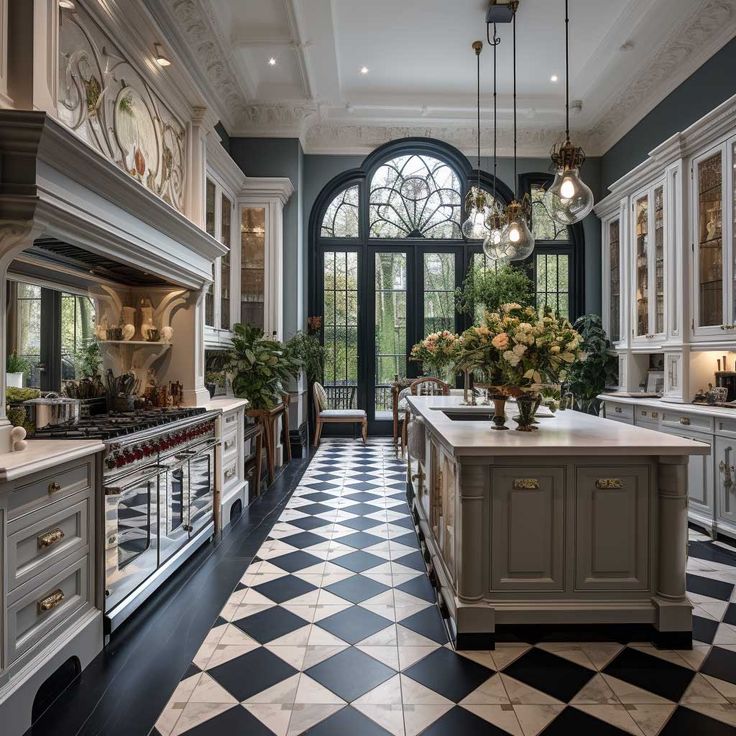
[341,216]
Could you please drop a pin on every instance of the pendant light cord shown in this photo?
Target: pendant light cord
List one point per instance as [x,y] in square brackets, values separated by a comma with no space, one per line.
[495,112]
[477,58]
[516,185]
[567,73]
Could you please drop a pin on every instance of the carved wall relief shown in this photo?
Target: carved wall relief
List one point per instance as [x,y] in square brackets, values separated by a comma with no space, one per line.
[107,103]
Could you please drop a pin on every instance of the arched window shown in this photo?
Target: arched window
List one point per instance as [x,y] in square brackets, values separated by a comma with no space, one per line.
[341,216]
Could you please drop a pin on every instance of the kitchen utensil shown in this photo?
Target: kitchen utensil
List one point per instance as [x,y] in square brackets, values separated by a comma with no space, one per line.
[53,410]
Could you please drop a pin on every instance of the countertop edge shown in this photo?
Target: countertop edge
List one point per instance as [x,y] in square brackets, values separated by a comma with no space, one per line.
[18,468]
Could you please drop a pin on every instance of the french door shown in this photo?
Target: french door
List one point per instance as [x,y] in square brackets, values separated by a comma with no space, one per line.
[378,301]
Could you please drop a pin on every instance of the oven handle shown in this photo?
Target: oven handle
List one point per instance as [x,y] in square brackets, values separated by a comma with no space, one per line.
[138,477]
[201,450]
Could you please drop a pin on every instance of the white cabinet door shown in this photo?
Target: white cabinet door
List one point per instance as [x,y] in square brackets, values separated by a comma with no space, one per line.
[725,456]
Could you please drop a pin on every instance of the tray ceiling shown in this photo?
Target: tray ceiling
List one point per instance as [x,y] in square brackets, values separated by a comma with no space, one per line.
[626,56]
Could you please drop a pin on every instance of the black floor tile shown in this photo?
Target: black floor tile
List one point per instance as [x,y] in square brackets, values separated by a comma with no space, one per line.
[419,587]
[713,553]
[550,674]
[572,722]
[730,615]
[314,509]
[356,589]
[270,624]
[295,561]
[236,720]
[251,673]
[322,485]
[361,523]
[650,673]
[686,722]
[360,540]
[704,629]
[310,522]
[413,560]
[319,496]
[427,622]
[464,723]
[347,721]
[362,486]
[284,589]
[720,663]
[449,674]
[354,624]
[304,539]
[350,673]
[409,540]
[361,509]
[407,522]
[361,496]
[358,561]
[706,586]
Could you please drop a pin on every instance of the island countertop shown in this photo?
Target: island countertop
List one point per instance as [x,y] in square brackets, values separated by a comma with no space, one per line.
[566,433]
[44,454]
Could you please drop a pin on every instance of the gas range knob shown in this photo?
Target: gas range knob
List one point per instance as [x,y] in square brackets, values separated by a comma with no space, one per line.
[110,462]
[119,461]
[138,453]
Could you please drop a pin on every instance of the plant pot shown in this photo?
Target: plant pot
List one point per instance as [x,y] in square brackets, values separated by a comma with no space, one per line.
[527,405]
[211,387]
[14,380]
[499,411]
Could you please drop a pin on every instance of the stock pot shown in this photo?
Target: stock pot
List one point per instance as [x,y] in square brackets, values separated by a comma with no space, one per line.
[53,410]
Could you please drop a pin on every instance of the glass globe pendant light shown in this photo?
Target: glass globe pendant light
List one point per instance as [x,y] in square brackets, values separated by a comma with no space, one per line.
[569,198]
[516,238]
[476,202]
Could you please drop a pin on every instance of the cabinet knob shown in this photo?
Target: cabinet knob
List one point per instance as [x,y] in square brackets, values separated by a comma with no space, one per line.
[655,414]
[684,420]
[618,409]
[54,487]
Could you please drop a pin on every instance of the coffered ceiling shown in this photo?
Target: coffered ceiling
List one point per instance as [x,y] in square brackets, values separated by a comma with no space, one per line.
[347,75]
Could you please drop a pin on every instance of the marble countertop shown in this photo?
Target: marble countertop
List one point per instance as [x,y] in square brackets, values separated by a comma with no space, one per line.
[225,403]
[565,433]
[44,454]
[722,412]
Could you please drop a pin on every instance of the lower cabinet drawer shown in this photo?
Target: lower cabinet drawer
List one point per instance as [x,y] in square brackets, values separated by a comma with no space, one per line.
[46,606]
[58,483]
[620,412]
[680,420]
[229,445]
[230,474]
[39,540]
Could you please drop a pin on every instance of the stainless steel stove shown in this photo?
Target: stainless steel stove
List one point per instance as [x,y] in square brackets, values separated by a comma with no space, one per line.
[158,485]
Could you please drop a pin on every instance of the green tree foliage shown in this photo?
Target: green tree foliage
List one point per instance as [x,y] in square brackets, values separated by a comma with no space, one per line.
[489,288]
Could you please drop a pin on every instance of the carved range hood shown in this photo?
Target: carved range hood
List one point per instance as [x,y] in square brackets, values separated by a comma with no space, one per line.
[54,185]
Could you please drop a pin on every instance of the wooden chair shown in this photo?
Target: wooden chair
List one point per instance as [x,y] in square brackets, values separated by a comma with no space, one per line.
[325,415]
[425,386]
[399,389]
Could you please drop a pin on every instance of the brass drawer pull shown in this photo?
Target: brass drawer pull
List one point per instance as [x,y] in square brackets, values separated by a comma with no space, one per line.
[684,420]
[52,537]
[229,444]
[230,472]
[50,601]
[526,484]
[54,486]
[655,415]
[605,484]
[618,409]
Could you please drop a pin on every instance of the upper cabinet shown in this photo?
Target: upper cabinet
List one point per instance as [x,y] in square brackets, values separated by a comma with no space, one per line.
[712,208]
[615,316]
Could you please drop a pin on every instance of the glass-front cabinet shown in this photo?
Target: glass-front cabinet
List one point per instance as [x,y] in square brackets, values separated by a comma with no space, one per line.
[614,276]
[648,250]
[712,192]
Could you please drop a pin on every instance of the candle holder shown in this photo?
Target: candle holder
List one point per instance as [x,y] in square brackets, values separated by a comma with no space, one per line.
[499,412]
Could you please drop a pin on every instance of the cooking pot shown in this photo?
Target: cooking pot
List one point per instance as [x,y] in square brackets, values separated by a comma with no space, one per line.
[53,410]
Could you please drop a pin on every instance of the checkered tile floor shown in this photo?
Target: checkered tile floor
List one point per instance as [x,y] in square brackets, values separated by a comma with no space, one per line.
[334,630]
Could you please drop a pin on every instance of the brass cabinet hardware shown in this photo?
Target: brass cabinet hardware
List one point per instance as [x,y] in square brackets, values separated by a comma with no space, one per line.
[655,415]
[617,409]
[54,486]
[50,601]
[605,484]
[643,413]
[684,420]
[229,444]
[725,468]
[52,537]
[230,472]
[526,484]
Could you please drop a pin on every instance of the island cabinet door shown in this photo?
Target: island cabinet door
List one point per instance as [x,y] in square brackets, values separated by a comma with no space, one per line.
[527,528]
[612,528]
[726,480]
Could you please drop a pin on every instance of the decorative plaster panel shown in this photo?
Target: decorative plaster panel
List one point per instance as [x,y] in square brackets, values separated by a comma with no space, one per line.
[103,99]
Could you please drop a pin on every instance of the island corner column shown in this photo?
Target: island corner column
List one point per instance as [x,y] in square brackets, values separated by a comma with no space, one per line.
[674,614]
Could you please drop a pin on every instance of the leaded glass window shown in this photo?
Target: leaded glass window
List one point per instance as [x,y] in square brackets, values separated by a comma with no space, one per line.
[341,216]
[415,196]
[543,226]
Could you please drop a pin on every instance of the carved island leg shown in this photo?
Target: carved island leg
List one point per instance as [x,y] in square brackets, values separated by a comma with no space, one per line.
[674,616]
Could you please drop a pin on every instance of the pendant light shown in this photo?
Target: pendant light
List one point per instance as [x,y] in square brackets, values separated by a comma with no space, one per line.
[476,203]
[493,244]
[516,237]
[569,197]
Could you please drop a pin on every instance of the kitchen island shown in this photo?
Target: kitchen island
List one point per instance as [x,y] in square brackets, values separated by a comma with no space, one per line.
[581,523]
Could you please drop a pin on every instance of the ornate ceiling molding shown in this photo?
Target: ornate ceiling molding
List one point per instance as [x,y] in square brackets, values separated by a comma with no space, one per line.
[673,61]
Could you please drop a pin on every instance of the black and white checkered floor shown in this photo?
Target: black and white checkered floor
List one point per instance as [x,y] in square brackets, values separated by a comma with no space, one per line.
[334,630]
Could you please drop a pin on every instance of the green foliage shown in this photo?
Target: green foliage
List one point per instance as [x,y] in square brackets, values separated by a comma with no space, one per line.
[15,364]
[489,288]
[586,379]
[88,361]
[261,367]
[15,395]
[308,351]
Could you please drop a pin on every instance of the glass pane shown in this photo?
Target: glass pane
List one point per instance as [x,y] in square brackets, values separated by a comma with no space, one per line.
[614,251]
[553,282]
[641,230]
[28,330]
[77,332]
[659,259]
[543,226]
[252,264]
[415,197]
[225,235]
[391,348]
[209,223]
[439,292]
[340,319]
[341,216]
[710,245]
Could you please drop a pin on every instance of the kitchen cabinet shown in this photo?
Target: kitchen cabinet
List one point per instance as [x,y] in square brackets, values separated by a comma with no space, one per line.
[231,487]
[615,319]
[725,464]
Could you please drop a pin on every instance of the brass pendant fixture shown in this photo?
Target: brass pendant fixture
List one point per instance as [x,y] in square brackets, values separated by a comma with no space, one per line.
[476,201]
[569,198]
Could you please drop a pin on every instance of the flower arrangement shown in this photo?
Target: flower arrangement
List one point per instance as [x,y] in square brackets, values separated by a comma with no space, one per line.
[437,353]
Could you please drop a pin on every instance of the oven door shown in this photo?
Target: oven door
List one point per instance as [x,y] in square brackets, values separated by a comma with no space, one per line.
[201,487]
[174,500]
[131,532]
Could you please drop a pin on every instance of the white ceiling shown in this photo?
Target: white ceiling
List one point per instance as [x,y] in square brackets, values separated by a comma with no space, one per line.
[626,55]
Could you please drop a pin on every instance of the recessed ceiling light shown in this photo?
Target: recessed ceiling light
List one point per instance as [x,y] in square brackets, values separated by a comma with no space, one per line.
[554,78]
[67,4]
[161,58]
[272,61]
[364,70]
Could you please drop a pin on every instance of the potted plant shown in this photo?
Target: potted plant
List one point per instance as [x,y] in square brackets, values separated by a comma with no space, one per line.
[15,368]
[307,350]
[587,379]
